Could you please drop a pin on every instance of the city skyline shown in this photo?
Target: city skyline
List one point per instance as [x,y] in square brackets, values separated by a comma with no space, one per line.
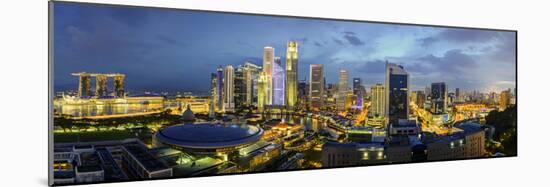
[133,40]
[266,94]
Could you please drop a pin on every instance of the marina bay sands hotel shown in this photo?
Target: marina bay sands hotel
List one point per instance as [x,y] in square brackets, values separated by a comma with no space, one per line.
[85,86]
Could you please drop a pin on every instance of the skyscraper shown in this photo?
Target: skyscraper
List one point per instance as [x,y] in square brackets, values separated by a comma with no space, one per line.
[397,93]
[419,98]
[316,85]
[504,99]
[214,90]
[252,73]
[378,100]
[240,87]
[278,76]
[119,84]
[342,90]
[262,90]
[291,91]
[269,53]
[219,105]
[439,98]
[100,85]
[229,88]
[457,95]
[358,93]
[303,93]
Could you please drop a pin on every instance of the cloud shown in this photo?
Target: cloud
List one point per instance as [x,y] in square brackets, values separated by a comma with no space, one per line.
[318,44]
[352,39]
[467,35]
[457,35]
[425,42]
[301,40]
[349,32]
[453,62]
[372,66]
[337,41]
[505,50]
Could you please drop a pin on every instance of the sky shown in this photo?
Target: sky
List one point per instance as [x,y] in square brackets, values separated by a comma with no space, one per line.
[176,50]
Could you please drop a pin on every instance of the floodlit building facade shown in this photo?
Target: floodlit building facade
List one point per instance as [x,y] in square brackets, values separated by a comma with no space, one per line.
[342,90]
[358,93]
[278,83]
[397,93]
[439,98]
[316,85]
[229,88]
[268,60]
[291,90]
[378,100]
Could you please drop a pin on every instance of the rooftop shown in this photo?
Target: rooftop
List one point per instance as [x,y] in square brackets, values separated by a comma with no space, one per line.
[209,135]
[145,158]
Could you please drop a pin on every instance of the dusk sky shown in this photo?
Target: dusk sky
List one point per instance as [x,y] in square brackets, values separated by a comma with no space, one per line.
[176,50]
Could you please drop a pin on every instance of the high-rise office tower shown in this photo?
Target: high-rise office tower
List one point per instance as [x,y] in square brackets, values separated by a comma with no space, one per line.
[413,97]
[219,85]
[418,97]
[316,85]
[252,72]
[458,95]
[504,99]
[118,82]
[100,85]
[240,87]
[397,93]
[358,93]
[229,88]
[269,58]
[378,100]
[214,90]
[291,91]
[278,76]
[303,93]
[342,90]
[262,90]
[439,98]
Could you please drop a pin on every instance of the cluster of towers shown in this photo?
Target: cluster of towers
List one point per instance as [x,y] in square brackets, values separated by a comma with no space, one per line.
[273,84]
[101,89]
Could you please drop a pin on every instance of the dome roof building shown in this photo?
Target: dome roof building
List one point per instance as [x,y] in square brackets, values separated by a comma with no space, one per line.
[188,115]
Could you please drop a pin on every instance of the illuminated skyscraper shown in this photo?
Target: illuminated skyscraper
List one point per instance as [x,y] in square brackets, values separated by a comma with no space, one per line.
[504,99]
[219,104]
[229,88]
[252,73]
[262,90]
[458,95]
[397,93]
[269,53]
[119,84]
[214,90]
[278,76]
[240,87]
[100,85]
[439,98]
[342,90]
[316,85]
[378,100]
[291,91]
[358,93]
[303,93]
[84,84]
[420,99]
